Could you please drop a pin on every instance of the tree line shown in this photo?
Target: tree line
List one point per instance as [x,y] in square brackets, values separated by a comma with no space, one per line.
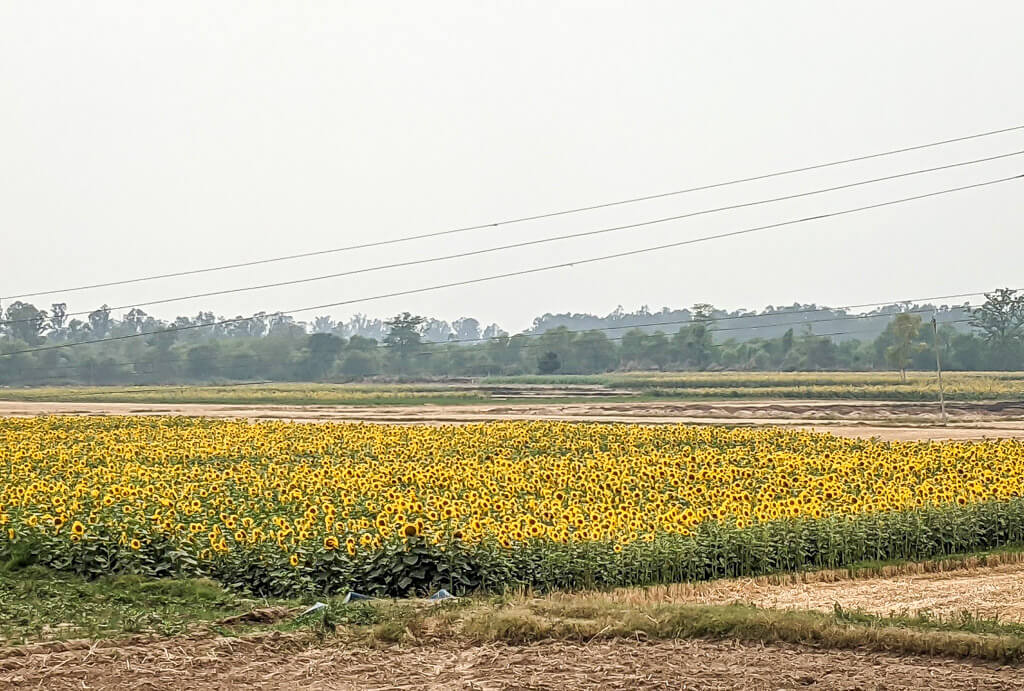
[276,347]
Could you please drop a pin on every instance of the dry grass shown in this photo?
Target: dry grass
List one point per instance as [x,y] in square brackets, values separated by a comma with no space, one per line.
[717,610]
[278,663]
[587,620]
[541,644]
[622,639]
[986,584]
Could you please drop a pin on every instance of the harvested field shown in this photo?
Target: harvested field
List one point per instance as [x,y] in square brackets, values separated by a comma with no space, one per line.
[276,661]
[886,420]
[987,593]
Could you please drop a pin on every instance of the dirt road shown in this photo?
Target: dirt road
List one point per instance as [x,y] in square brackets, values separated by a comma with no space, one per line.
[275,662]
[887,420]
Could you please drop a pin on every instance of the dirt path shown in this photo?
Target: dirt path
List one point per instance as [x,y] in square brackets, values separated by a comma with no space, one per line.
[274,662]
[989,593]
[863,419]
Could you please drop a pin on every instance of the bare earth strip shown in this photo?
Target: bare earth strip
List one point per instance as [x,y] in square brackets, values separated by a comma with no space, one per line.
[989,593]
[269,662]
[887,420]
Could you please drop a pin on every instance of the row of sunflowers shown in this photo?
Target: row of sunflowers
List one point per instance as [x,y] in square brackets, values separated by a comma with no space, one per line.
[277,507]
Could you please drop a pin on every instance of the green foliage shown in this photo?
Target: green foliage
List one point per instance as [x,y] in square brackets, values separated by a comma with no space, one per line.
[405,332]
[715,550]
[1001,319]
[549,363]
[277,348]
[414,567]
[902,338]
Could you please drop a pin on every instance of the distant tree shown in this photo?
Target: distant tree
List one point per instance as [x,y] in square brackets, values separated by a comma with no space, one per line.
[1001,320]
[359,363]
[24,322]
[559,341]
[549,363]
[503,352]
[494,331]
[656,349]
[404,337]
[58,315]
[201,361]
[98,371]
[631,348]
[903,333]
[819,351]
[362,343]
[703,311]
[466,329]
[786,343]
[968,352]
[208,318]
[693,345]
[320,354]
[76,330]
[99,322]
[323,325]
[436,331]
[594,352]
[135,320]
[255,326]
[162,339]
[362,325]
[284,326]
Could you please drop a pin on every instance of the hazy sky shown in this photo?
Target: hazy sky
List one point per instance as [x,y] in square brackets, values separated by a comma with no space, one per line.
[147,137]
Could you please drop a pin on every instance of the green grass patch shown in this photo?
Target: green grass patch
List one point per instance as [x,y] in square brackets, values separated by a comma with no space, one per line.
[40,604]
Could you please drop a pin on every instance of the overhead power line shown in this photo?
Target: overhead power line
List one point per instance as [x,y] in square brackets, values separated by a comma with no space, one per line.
[533,270]
[539,241]
[520,219]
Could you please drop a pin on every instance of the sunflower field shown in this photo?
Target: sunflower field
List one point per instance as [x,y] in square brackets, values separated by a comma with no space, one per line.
[277,508]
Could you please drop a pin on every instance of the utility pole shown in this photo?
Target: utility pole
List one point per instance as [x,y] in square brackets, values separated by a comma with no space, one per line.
[938,370]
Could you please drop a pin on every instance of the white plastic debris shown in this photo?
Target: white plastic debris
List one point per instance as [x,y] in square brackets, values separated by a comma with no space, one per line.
[316,607]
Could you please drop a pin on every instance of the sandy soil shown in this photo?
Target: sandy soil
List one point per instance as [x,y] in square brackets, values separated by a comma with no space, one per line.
[887,420]
[989,593]
[274,662]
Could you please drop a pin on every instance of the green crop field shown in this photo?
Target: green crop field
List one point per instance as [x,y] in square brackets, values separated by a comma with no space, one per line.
[639,386]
